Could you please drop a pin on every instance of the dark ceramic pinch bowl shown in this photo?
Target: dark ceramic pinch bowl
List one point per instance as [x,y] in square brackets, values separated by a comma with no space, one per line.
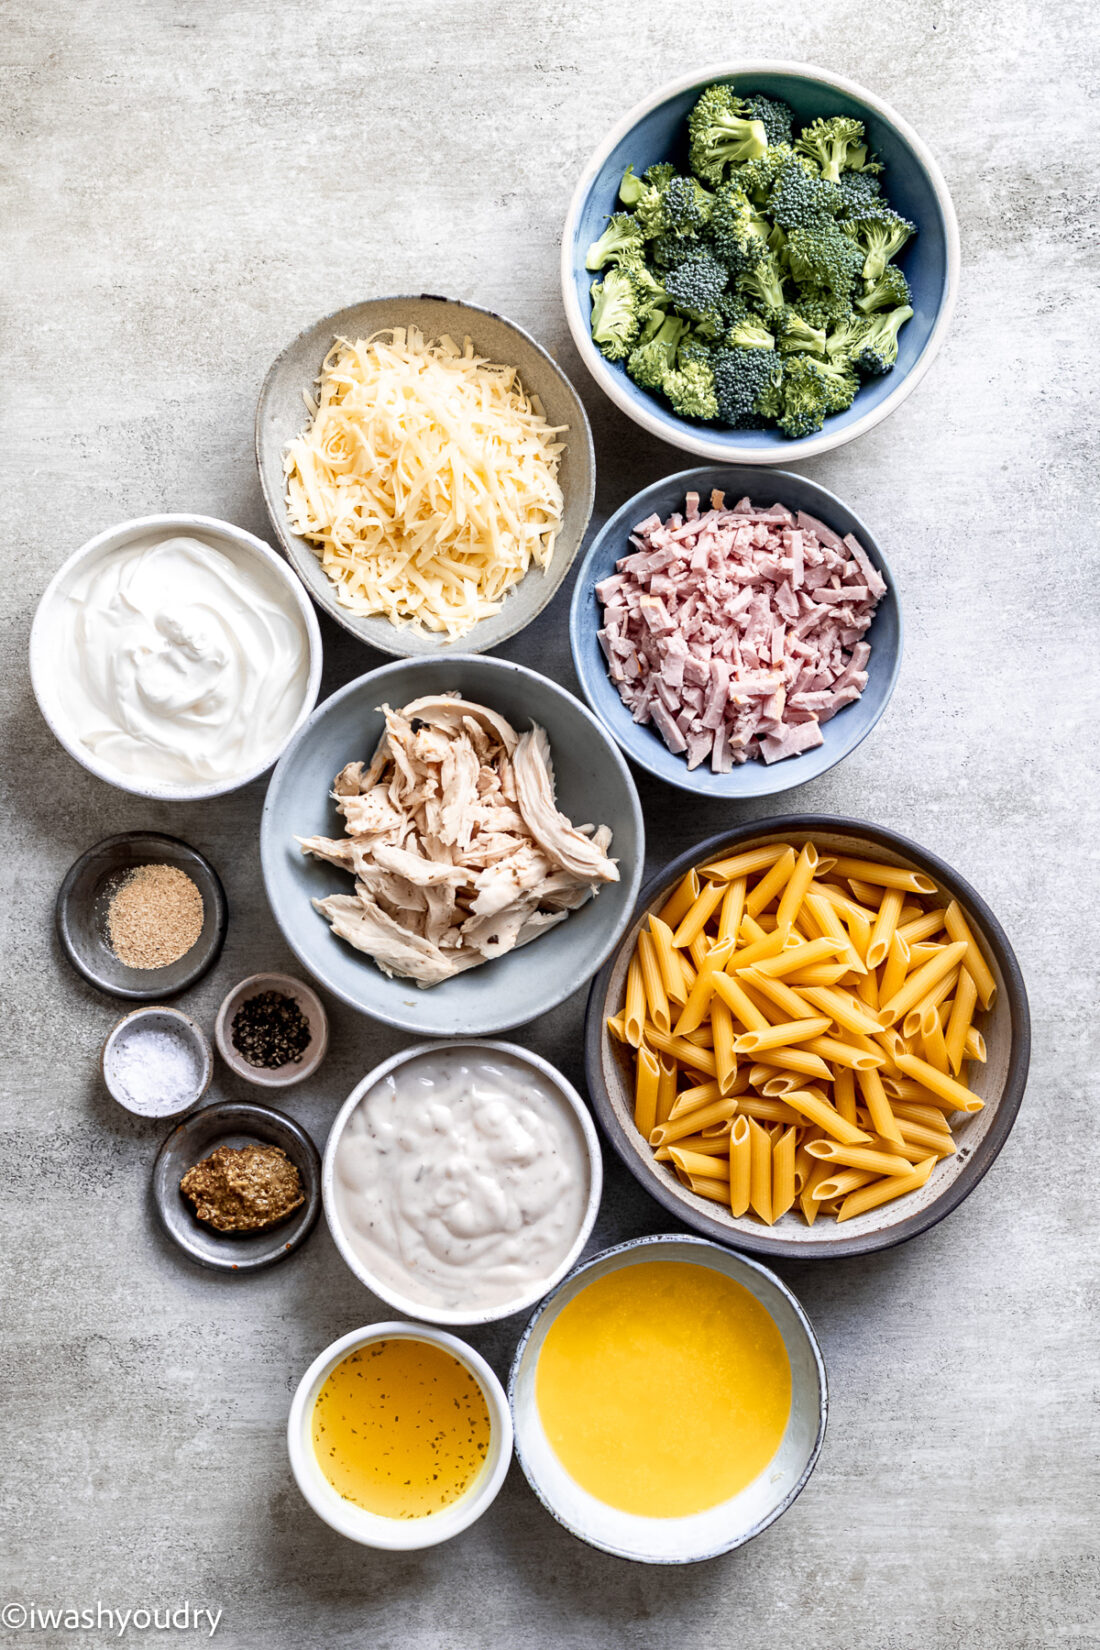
[234,1124]
[1000,1082]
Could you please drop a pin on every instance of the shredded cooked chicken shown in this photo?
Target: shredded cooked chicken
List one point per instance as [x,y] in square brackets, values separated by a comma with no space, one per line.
[455,841]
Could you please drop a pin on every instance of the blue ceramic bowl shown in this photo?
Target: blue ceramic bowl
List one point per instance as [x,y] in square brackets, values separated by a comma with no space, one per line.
[644,745]
[593,783]
[655,130]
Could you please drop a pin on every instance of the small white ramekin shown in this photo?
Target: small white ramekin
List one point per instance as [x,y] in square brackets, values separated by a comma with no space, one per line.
[43,646]
[370,1529]
[465,1315]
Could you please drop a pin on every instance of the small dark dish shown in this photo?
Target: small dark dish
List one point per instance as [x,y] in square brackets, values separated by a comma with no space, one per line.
[644,745]
[81,913]
[234,1124]
[1001,1083]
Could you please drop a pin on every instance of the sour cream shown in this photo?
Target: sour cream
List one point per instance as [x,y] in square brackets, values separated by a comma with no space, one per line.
[461,1179]
[180,663]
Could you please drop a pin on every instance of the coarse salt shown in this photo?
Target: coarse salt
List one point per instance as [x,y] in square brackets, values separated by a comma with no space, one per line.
[155,1072]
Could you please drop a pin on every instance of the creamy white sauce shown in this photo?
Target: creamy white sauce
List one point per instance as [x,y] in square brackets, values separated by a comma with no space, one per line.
[461,1179]
[180,663]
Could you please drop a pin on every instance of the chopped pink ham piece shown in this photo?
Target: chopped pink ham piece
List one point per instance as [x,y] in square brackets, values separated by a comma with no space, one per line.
[737,632]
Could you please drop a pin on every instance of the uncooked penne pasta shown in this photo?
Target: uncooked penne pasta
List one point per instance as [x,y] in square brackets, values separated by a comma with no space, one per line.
[977,967]
[802,1028]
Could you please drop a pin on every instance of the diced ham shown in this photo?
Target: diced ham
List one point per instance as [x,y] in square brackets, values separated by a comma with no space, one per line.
[737,632]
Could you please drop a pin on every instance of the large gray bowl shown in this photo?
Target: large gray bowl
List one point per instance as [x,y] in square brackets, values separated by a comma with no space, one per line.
[593,784]
[281,415]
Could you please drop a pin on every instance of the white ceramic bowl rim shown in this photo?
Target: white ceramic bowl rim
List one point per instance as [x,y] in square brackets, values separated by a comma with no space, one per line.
[457,1315]
[697,440]
[371,1529]
[774,1282]
[114,538]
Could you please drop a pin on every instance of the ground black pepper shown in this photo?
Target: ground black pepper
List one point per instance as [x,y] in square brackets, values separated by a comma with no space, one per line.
[270,1030]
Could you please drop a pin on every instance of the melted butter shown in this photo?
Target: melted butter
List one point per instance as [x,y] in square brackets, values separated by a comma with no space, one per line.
[664,1388]
[401,1428]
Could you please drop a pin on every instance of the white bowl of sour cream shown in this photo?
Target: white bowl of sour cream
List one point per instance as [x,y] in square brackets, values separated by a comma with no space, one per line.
[174,656]
[461,1180]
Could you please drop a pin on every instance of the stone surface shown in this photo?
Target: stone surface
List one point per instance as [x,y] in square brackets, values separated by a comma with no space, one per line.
[183,189]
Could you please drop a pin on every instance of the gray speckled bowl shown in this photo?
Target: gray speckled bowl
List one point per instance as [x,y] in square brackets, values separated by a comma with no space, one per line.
[593,784]
[685,1540]
[281,415]
[1000,1082]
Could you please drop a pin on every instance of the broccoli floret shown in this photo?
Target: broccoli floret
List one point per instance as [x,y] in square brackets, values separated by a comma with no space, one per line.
[890,291]
[836,145]
[669,250]
[799,199]
[722,132]
[653,357]
[756,177]
[775,117]
[737,236]
[685,207]
[750,334]
[879,349]
[822,308]
[840,384]
[880,234]
[763,285]
[633,189]
[857,191]
[622,235]
[794,334]
[801,398]
[732,307]
[823,257]
[696,285]
[616,313]
[844,341]
[690,389]
[743,379]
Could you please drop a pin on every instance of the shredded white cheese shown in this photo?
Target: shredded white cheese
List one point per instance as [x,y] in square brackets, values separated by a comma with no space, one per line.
[427,479]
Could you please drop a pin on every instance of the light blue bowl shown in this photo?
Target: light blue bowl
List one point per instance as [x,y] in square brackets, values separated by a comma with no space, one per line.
[655,130]
[593,784]
[644,745]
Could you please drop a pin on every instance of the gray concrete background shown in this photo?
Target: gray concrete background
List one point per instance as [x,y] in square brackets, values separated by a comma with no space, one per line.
[183,188]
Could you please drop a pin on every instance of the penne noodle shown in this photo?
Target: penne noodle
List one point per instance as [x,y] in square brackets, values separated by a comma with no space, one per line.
[783,1188]
[742,865]
[718,1131]
[804,1166]
[911,1111]
[933,1046]
[646,1074]
[868,893]
[977,967]
[790,902]
[819,1111]
[794,957]
[653,985]
[845,1009]
[858,1157]
[733,909]
[635,1005]
[911,1025]
[617,1028]
[831,927]
[680,901]
[760,1171]
[819,974]
[698,1000]
[885,924]
[897,967]
[839,1184]
[742,1006]
[920,982]
[668,1072]
[883,1191]
[946,1087]
[959,1020]
[714,1165]
[974,1046]
[740,1161]
[765,1110]
[844,1054]
[770,884]
[667,1134]
[698,948]
[878,1106]
[669,961]
[922,927]
[703,1144]
[688,1054]
[858,924]
[795,1059]
[777,994]
[844,1093]
[779,1036]
[718,1190]
[703,1094]
[725,1061]
[885,876]
[929,1139]
[768,945]
[807,1201]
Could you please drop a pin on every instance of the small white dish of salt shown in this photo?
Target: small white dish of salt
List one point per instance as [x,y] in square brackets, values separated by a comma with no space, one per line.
[157,1063]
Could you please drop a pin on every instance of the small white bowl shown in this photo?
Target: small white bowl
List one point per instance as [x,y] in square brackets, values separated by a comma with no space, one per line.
[719,1529]
[159,1018]
[44,644]
[571,1101]
[313,1010]
[370,1529]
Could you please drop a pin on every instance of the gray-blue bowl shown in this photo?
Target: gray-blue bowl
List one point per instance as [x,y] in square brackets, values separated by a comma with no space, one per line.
[655,130]
[644,745]
[593,783]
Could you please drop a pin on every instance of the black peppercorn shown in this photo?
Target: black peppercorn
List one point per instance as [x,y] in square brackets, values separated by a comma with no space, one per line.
[270,1030]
